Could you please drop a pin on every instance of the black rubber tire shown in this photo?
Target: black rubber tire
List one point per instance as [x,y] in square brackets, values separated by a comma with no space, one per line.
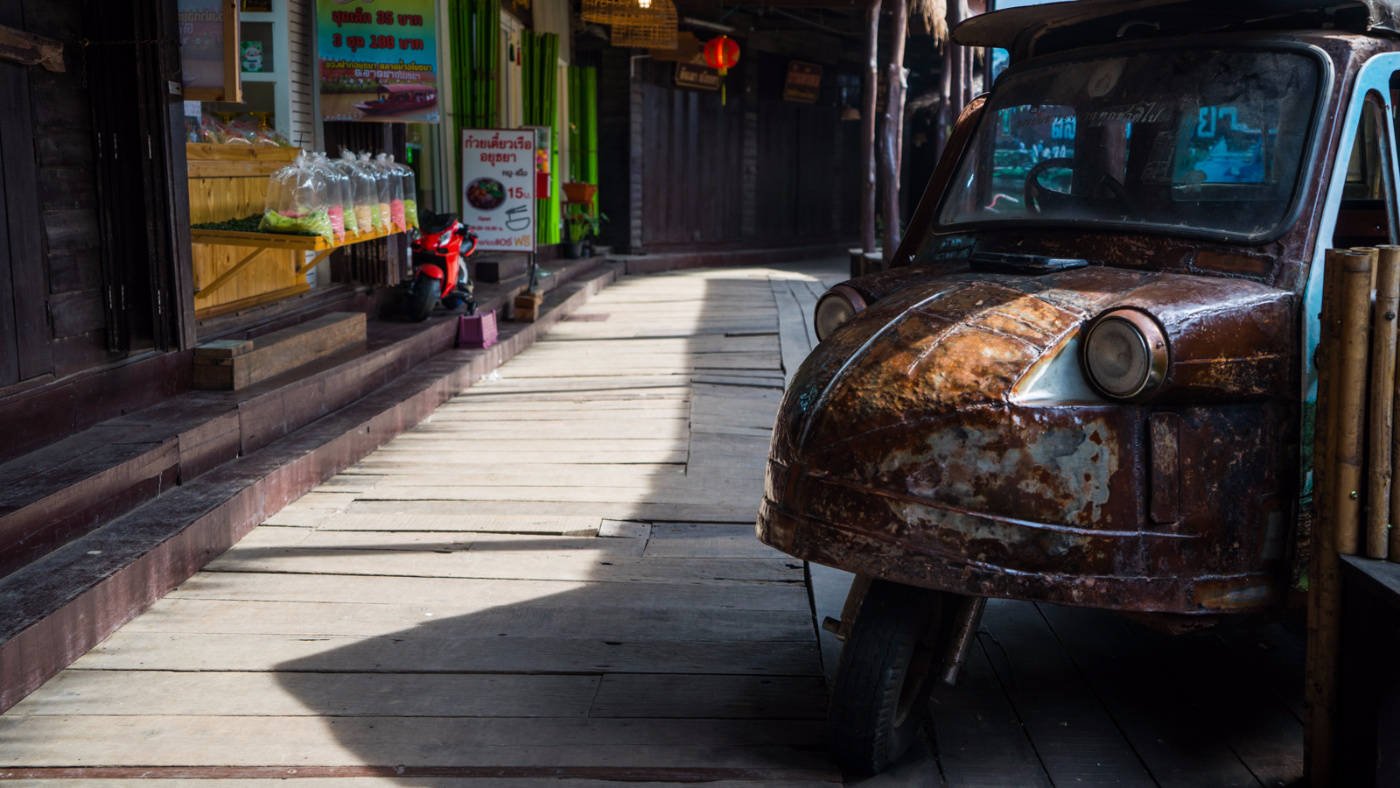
[424,294]
[880,697]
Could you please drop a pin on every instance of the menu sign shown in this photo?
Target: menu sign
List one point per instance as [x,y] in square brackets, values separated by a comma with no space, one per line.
[804,82]
[498,187]
[378,62]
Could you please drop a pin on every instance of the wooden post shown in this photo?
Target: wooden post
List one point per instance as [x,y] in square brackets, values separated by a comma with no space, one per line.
[869,92]
[962,58]
[1382,406]
[894,126]
[1323,608]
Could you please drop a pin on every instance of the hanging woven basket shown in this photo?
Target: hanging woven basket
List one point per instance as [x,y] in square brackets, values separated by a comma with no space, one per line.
[650,27]
[607,12]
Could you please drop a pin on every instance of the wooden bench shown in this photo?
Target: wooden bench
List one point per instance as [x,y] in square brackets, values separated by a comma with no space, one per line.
[232,364]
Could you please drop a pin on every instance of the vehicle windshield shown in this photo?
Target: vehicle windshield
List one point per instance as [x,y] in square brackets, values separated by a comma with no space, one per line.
[1189,141]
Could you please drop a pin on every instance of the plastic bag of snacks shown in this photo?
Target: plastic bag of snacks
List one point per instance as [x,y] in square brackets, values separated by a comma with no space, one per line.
[254,129]
[397,220]
[384,192]
[364,191]
[410,192]
[335,193]
[211,130]
[298,202]
[342,209]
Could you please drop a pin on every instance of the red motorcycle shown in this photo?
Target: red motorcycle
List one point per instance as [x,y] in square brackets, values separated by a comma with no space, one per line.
[441,247]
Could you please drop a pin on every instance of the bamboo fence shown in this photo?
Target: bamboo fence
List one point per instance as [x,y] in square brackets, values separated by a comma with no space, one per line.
[1354,449]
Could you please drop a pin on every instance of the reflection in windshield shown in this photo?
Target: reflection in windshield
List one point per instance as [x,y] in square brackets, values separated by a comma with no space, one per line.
[1202,141]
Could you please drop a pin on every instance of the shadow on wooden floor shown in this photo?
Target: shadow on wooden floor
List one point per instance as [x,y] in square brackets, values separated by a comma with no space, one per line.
[1067,696]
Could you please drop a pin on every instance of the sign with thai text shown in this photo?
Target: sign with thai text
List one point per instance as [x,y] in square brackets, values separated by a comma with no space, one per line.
[689,75]
[804,82]
[378,60]
[208,49]
[498,187]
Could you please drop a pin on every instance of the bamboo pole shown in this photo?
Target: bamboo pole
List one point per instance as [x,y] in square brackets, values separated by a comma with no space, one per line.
[1382,406]
[1324,623]
[1351,382]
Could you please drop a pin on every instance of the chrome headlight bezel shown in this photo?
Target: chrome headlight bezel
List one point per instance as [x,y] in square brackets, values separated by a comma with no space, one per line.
[1138,334]
[835,308]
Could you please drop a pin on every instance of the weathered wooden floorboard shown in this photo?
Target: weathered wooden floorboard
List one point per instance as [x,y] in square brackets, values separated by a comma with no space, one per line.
[485,594]
[1180,744]
[980,741]
[388,740]
[431,648]
[1078,740]
[542,565]
[741,511]
[659,696]
[164,693]
[563,525]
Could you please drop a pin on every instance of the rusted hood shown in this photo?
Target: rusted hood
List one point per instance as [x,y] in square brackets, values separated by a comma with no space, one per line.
[963,342]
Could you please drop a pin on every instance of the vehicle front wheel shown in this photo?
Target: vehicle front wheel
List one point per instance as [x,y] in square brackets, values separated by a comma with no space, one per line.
[880,697]
[425,293]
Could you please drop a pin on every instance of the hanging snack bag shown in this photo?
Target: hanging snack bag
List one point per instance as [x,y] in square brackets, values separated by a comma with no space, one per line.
[383,189]
[342,192]
[364,191]
[297,203]
[410,193]
[396,192]
[335,192]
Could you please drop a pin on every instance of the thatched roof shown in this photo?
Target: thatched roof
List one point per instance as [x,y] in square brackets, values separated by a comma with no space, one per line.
[935,16]
[1020,28]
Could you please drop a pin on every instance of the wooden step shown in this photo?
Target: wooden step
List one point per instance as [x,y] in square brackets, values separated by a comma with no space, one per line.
[232,364]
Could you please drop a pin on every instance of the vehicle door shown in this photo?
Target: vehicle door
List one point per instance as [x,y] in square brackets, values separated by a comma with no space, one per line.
[1359,210]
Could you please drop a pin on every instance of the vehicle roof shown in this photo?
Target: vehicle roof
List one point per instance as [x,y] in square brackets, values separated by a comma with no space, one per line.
[1040,29]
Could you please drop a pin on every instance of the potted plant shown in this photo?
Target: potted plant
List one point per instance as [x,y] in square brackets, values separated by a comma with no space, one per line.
[582,224]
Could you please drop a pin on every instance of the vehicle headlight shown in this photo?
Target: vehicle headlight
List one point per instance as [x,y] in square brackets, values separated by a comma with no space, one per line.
[1125,353]
[837,306]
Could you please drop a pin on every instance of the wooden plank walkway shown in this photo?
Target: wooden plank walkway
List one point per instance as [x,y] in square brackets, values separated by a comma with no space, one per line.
[554,581]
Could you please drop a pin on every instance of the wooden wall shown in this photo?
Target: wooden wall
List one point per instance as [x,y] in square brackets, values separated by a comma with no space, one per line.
[66,194]
[87,275]
[755,171]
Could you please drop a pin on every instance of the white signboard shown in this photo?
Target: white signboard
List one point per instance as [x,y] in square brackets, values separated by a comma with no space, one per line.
[498,188]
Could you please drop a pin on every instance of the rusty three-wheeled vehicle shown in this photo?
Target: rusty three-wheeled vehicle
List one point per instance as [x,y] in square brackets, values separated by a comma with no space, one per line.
[1087,376]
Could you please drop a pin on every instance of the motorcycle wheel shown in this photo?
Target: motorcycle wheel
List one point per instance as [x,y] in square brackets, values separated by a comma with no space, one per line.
[880,696]
[422,296]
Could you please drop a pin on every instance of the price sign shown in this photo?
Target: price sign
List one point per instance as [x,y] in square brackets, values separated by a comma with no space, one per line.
[378,63]
[498,187]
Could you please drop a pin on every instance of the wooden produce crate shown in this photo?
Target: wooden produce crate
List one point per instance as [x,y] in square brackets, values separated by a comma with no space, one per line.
[229,182]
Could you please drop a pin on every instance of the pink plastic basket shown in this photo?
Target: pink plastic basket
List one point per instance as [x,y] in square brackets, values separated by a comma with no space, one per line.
[476,330]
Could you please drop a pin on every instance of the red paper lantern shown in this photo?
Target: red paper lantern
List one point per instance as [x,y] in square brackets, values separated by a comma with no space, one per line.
[721,53]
